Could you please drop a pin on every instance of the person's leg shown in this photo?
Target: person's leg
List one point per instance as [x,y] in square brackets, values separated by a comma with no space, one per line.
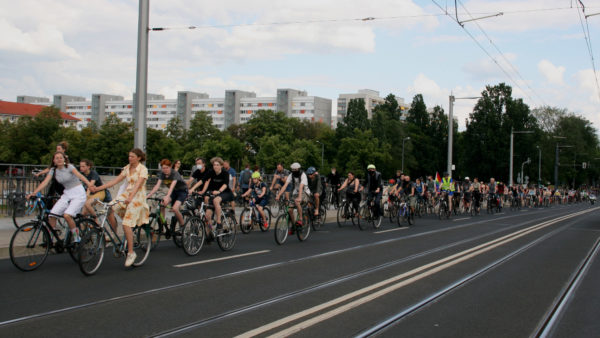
[317,203]
[177,212]
[217,204]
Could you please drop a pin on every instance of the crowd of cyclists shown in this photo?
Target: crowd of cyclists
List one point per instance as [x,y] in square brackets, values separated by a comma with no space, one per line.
[218,189]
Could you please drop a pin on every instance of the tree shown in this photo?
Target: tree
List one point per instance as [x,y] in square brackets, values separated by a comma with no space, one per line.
[356,118]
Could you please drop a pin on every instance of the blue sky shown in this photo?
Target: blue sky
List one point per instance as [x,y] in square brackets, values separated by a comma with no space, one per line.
[84,47]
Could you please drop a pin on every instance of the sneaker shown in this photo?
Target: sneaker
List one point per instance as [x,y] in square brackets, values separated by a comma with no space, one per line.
[130,259]
[219,226]
[266,225]
[76,237]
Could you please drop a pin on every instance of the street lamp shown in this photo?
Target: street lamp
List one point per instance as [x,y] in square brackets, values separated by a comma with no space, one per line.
[539,166]
[322,154]
[404,139]
[510,171]
[522,165]
[556,163]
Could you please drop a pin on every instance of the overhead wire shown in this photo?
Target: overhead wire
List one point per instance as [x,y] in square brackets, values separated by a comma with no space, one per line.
[514,69]
[588,41]
[485,51]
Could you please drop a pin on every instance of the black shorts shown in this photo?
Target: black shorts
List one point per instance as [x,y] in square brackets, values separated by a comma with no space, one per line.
[179,195]
[226,196]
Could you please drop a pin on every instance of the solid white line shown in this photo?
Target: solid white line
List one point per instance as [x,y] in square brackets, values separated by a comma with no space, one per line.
[461,219]
[384,231]
[220,259]
[414,275]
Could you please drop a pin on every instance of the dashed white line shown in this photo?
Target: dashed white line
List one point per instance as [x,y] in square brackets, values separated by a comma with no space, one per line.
[396,229]
[220,259]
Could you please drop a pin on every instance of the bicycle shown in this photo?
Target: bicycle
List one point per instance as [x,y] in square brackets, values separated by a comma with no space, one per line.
[22,207]
[367,212]
[347,211]
[159,226]
[91,248]
[404,213]
[250,217]
[285,226]
[315,221]
[30,244]
[225,234]
[444,209]
[192,232]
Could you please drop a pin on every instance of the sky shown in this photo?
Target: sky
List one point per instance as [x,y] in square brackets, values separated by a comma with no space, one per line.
[539,48]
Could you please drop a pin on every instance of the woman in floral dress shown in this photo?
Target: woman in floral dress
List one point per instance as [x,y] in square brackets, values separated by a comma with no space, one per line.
[133,208]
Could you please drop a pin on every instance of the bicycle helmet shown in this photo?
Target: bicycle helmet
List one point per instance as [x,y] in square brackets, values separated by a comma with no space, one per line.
[371,166]
[256,174]
[392,181]
[311,170]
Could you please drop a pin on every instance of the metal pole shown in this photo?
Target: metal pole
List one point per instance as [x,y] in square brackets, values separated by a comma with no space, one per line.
[450,130]
[510,165]
[539,166]
[322,155]
[141,87]
[404,139]
[556,168]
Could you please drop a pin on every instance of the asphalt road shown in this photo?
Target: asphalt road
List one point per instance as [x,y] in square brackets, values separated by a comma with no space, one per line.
[525,273]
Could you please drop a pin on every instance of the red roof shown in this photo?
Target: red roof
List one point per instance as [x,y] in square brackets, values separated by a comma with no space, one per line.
[26,109]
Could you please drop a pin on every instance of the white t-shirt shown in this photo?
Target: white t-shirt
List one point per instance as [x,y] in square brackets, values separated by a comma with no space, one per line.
[297,181]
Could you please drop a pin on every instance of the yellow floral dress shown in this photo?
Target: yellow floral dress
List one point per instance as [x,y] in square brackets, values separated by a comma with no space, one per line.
[137,212]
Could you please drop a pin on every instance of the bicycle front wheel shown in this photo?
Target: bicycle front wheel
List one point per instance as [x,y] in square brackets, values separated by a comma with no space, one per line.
[29,246]
[91,251]
[282,227]
[226,236]
[364,217]
[342,214]
[142,243]
[303,231]
[193,235]
[246,220]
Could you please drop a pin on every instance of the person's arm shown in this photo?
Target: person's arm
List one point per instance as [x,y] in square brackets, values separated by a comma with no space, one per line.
[81,177]
[234,178]
[343,185]
[156,186]
[40,187]
[167,197]
[43,172]
[275,177]
[205,187]
[105,186]
[221,189]
[263,191]
[282,189]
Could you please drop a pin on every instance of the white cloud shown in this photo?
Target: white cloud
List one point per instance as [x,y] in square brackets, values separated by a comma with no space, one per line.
[44,41]
[552,73]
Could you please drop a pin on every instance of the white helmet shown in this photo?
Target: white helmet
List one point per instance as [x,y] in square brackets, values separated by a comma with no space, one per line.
[295,166]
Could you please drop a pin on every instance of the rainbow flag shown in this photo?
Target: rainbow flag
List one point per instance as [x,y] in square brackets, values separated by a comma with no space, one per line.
[438,181]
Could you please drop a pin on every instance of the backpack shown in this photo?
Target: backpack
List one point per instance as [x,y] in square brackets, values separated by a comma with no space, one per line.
[55,187]
[245,177]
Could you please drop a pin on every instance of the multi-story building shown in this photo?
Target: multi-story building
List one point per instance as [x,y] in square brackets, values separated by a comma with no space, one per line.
[372,100]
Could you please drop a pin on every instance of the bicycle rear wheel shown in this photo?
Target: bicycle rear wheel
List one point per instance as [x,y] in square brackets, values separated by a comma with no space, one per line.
[155,230]
[176,229]
[268,216]
[29,246]
[91,251]
[226,236]
[341,215]
[84,225]
[142,243]
[193,235]
[246,221]
[364,217]
[282,227]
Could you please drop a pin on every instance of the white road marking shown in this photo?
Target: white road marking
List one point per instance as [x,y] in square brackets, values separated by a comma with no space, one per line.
[220,259]
[395,229]
[414,275]
[461,219]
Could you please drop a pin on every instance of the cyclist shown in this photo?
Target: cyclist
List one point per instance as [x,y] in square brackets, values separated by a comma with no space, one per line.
[467,192]
[279,177]
[199,174]
[258,189]
[374,187]
[492,189]
[176,165]
[134,210]
[232,180]
[333,182]
[420,189]
[73,197]
[177,193]
[300,192]
[315,187]
[85,167]
[411,192]
[245,176]
[353,190]
[61,147]
[476,189]
[448,186]
[217,184]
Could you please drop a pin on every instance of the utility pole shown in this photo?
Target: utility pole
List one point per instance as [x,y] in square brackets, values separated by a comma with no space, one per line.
[512,137]
[141,87]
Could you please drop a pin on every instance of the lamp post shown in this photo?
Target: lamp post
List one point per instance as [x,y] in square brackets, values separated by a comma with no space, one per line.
[556,163]
[322,154]
[141,86]
[403,140]
[522,165]
[512,137]
[539,166]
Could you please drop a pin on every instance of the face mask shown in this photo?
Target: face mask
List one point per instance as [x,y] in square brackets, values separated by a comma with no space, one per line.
[200,166]
[296,174]
[371,173]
